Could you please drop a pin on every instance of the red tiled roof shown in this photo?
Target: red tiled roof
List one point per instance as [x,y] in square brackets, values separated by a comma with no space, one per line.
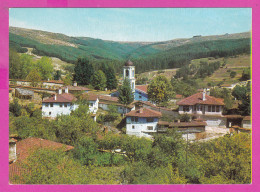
[144,112]
[183,124]
[27,146]
[61,98]
[54,81]
[107,98]
[188,124]
[247,118]
[76,88]
[142,88]
[197,99]
[90,96]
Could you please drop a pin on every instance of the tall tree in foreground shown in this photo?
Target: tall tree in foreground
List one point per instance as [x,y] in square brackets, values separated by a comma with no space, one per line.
[125,93]
[45,67]
[99,80]
[160,90]
[83,71]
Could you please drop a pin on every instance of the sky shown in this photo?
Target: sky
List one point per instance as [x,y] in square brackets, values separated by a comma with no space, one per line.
[134,24]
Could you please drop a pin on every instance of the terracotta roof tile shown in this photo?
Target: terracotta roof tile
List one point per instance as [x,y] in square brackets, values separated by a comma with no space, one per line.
[27,146]
[197,99]
[188,124]
[144,112]
[247,118]
[142,88]
[76,88]
[61,98]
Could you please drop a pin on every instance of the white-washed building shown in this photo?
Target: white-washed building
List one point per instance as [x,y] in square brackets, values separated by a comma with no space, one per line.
[142,122]
[59,104]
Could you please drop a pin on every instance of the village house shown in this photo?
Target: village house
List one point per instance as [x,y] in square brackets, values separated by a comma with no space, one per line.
[24,148]
[142,122]
[61,103]
[201,105]
[93,102]
[24,93]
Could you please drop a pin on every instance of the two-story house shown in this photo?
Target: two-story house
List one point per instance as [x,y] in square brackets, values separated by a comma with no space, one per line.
[142,122]
[61,103]
[204,106]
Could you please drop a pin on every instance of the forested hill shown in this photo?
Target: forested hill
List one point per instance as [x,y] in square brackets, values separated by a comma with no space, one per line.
[146,55]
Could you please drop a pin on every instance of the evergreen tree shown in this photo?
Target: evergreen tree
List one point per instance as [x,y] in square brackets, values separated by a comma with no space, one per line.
[99,80]
[125,93]
[57,75]
[111,79]
[83,71]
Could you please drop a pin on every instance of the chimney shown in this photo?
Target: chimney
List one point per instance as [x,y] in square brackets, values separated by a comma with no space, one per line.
[208,92]
[55,97]
[66,90]
[75,84]
[141,110]
[204,95]
[60,91]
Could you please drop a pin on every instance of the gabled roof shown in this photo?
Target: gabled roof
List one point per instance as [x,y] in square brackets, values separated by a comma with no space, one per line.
[76,88]
[142,88]
[27,146]
[61,98]
[247,118]
[90,97]
[144,112]
[197,99]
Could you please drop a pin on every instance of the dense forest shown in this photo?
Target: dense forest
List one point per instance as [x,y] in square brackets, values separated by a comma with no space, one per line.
[146,56]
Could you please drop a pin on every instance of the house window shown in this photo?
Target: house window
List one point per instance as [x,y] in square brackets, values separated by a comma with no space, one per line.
[140,96]
[213,108]
[49,113]
[217,109]
[91,104]
[134,119]
[209,108]
[60,105]
[65,105]
[46,105]
[133,127]
[150,128]
[149,119]
[51,104]
[186,108]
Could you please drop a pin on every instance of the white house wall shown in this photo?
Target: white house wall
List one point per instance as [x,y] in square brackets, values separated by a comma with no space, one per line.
[93,106]
[140,127]
[57,110]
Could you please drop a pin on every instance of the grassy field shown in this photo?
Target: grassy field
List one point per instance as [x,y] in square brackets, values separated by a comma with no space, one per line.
[236,63]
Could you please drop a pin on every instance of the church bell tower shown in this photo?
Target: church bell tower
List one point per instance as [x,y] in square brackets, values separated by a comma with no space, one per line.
[129,73]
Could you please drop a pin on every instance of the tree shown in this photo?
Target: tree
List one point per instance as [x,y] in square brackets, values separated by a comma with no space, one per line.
[15,108]
[27,64]
[233,74]
[83,71]
[160,90]
[125,93]
[35,77]
[111,79]
[239,92]
[45,68]
[99,80]
[14,65]
[57,75]
[67,80]
[246,74]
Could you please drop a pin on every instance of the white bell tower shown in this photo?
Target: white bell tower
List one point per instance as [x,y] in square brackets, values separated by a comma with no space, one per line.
[129,73]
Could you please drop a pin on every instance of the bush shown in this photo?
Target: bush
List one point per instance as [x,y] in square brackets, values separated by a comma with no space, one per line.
[233,74]
[15,108]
